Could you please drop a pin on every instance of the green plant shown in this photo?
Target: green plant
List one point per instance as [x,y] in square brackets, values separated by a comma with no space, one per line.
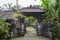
[30,21]
[56,32]
[59,14]
[50,6]
[44,21]
[3,29]
[53,12]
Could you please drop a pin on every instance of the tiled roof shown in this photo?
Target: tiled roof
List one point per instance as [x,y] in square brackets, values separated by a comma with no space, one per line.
[6,14]
[32,9]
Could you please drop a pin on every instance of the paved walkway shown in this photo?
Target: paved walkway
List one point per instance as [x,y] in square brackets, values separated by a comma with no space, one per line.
[30,35]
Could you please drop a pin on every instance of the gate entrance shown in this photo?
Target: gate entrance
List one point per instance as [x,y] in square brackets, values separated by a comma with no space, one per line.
[37,13]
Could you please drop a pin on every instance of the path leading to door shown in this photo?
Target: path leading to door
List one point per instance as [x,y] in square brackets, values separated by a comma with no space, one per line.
[31,35]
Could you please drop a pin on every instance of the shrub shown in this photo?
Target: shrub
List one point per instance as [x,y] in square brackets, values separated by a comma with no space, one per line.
[57,32]
[3,29]
[30,21]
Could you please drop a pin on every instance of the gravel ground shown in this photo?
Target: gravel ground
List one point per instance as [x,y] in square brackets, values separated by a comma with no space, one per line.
[30,35]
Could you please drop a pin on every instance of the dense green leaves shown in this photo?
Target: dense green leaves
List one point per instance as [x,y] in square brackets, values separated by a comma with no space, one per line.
[3,29]
[44,21]
[30,21]
[53,12]
[50,6]
[1,21]
[57,32]
[45,3]
[59,14]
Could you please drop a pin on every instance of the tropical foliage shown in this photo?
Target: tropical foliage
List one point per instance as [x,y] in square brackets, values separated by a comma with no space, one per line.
[8,6]
[52,14]
[30,21]
[57,32]
[3,29]
[50,6]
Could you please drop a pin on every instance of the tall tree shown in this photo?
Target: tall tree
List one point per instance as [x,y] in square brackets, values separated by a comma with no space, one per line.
[1,8]
[8,6]
[58,9]
[50,6]
[18,10]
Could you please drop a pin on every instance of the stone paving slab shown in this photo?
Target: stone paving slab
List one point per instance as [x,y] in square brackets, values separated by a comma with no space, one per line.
[31,35]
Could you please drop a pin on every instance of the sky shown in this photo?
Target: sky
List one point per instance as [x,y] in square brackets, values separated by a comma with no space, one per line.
[23,3]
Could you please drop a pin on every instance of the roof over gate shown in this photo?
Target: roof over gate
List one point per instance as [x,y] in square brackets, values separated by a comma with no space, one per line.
[32,9]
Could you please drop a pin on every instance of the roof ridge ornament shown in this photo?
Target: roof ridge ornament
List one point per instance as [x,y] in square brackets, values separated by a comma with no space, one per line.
[35,0]
[31,6]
